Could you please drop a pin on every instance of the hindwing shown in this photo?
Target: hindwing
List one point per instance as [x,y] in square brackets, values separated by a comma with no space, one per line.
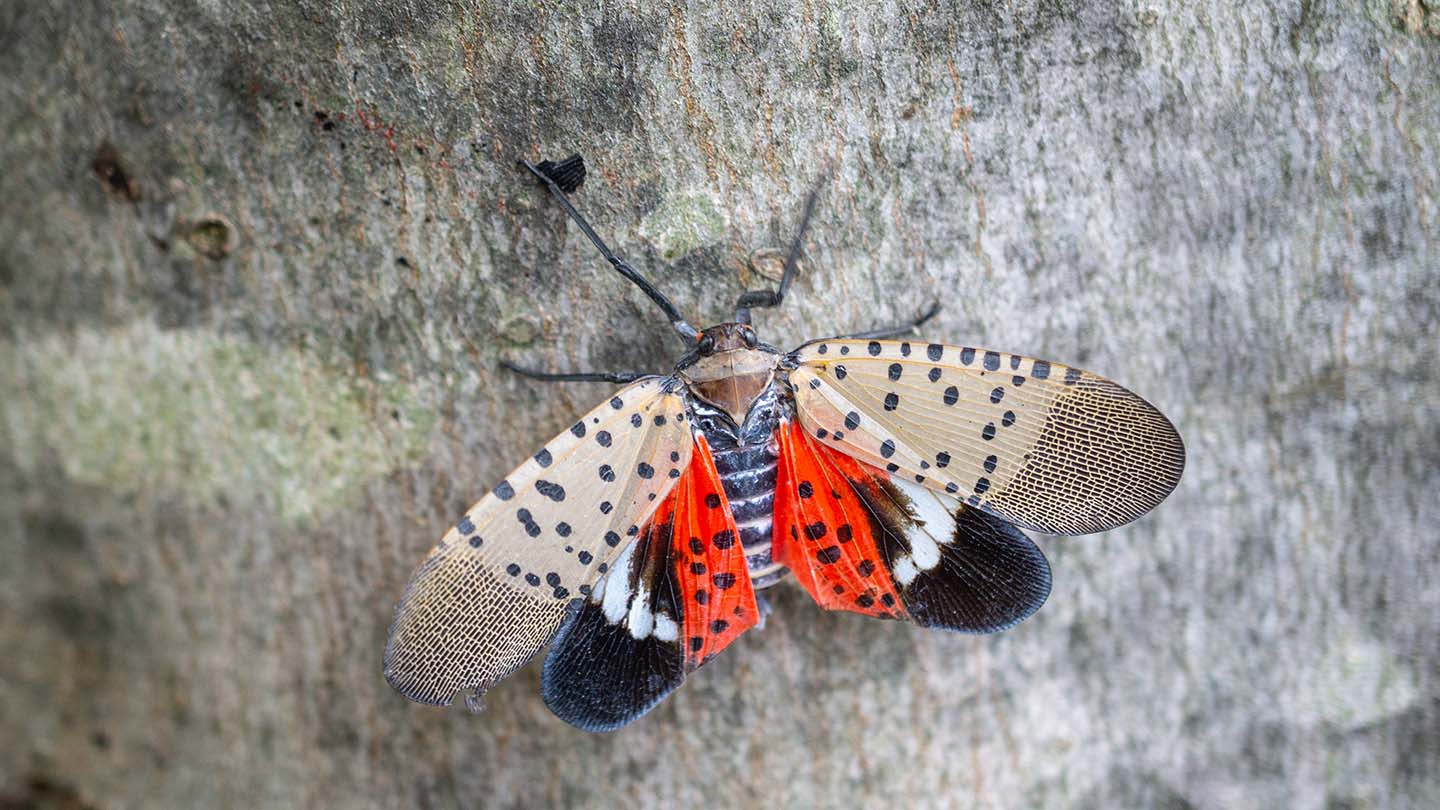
[860,539]
[674,598]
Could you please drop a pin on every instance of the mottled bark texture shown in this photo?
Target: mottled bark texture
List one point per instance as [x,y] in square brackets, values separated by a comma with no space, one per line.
[258,263]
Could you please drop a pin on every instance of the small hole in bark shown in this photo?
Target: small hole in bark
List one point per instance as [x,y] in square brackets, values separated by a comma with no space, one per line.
[112,173]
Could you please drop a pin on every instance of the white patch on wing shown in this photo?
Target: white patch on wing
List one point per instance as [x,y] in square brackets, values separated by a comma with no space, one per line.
[665,628]
[934,525]
[904,570]
[932,519]
[616,600]
[641,620]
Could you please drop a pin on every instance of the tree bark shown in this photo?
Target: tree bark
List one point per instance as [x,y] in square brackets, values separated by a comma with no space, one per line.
[259,262]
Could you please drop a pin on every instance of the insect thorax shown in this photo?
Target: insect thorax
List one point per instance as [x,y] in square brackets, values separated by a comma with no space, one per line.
[731,380]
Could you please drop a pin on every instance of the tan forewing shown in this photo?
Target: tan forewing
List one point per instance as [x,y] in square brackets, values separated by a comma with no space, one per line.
[1042,445]
[495,589]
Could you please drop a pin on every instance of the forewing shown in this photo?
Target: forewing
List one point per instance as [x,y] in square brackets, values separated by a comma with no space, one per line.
[495,589]
[675,597]
[860,539]
[1045,446]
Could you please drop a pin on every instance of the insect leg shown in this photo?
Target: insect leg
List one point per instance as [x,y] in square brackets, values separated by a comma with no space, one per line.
[765,607]
[577,376]
[901,329]
[772,298]
[571,172]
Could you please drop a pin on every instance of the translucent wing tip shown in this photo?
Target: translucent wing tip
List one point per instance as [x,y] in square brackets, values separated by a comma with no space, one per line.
[1106,458]
[446,640]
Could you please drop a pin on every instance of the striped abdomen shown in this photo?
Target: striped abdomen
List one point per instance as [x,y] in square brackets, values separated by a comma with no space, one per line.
[747,472]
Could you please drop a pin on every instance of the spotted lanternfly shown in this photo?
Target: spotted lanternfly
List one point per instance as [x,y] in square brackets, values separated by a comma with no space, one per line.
[888,477]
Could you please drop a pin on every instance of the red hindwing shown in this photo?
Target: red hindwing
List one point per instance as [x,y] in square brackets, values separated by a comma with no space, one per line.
[823,530]
[719,600]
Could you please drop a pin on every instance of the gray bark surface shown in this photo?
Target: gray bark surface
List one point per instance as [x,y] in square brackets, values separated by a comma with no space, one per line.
[258,263]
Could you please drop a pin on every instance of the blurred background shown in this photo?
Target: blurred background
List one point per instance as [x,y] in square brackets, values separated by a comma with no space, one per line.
[259,262]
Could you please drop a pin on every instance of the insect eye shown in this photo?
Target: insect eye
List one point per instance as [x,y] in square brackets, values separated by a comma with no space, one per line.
[748,335]
[707,344]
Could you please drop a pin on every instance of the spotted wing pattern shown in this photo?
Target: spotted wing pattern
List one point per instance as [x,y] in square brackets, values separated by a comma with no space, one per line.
[860,539]
[674,598]
[718,596]
[1041,445]
[496,588]
[824,533]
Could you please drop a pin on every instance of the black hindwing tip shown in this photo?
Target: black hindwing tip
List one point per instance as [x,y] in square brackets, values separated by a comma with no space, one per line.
[597,677]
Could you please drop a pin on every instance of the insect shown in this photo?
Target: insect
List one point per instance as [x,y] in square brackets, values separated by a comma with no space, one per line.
[887,476]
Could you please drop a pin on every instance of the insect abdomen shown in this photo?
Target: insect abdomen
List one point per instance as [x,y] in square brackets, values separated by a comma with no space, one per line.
[747,472]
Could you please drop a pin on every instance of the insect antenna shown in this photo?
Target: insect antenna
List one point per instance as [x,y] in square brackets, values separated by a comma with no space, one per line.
[898,329]
[772,298]
[576,376]
[568,174]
